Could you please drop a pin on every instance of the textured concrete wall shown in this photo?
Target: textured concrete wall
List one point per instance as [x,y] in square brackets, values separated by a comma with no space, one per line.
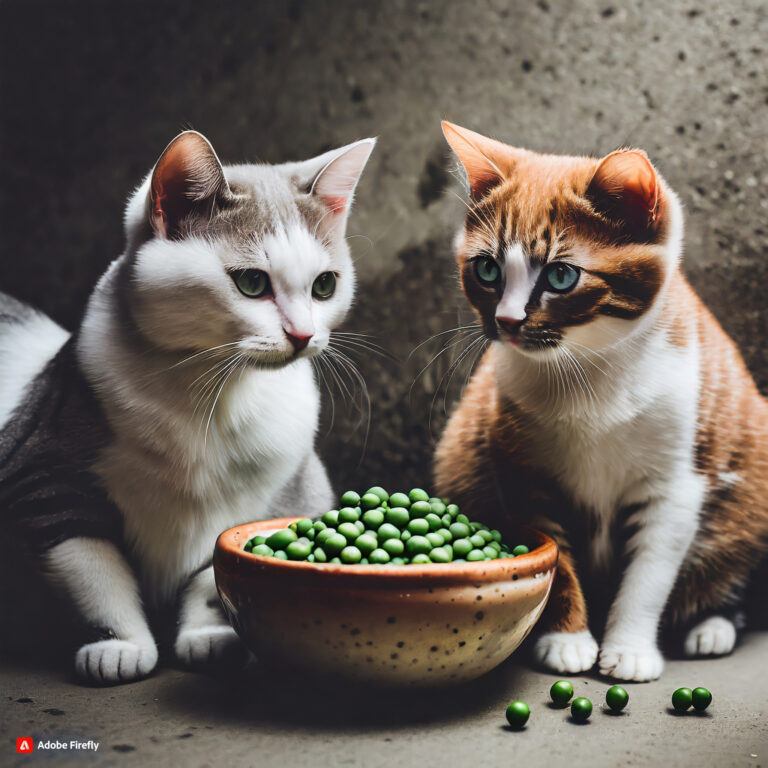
[90,92]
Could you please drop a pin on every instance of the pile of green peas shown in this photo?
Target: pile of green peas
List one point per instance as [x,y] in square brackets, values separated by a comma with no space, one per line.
[378,528]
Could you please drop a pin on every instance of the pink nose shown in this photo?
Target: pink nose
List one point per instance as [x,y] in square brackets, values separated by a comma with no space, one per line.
[510,324]
[298,342]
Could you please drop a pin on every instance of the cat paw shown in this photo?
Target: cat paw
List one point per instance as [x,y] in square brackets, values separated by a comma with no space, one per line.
[210,645]
[108,662]
[566,651]
[640,664]
[715,636]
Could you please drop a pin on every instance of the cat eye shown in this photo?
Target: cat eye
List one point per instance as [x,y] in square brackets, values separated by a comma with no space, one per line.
[487,270]
[252,283]
[561,277]
[324,285]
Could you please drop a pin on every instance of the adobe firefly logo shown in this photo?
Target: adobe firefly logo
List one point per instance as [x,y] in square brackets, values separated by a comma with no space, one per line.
[25,745]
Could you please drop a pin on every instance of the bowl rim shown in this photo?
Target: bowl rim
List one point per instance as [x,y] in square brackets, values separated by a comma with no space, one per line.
[229,547]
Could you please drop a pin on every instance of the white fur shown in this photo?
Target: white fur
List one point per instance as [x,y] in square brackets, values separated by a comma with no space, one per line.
[616,407]
[521,277]
[94,574]
[715,636]
[569,652]
[25,349]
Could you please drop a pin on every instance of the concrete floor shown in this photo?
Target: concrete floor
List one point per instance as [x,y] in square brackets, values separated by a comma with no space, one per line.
[183,719]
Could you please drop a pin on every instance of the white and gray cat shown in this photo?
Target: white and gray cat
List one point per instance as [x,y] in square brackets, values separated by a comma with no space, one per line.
[186,402]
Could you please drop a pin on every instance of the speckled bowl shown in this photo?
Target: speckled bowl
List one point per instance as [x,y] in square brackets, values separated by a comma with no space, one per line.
[390,625]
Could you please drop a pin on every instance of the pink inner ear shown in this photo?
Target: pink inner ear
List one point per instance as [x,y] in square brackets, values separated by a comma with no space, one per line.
[337,203]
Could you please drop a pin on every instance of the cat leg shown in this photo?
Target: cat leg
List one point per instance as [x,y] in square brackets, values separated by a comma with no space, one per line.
[715,636]
[205,636]
[568,645]
[97,578]
[309,490]
[667,526]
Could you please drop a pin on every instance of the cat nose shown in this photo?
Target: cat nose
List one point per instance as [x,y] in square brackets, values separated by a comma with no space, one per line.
[510,325]
[298,341]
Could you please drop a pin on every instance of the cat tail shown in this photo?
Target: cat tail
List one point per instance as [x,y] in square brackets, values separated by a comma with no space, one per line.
[28,341]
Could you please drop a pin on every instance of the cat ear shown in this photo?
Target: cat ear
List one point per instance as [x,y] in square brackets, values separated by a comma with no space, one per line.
[186,182]
[334,184]
[487,162]
[625,189]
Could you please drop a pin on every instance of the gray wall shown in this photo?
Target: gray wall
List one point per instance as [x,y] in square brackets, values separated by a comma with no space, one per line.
[91,91]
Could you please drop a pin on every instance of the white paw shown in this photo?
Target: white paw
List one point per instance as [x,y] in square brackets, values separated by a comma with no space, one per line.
[566,651]
[715,636]
[209,645]
[639,663]
[115,661]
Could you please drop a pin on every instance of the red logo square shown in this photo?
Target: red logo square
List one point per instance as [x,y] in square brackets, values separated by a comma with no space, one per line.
[25,745]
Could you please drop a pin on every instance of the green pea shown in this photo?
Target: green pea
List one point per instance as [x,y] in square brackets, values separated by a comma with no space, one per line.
[435,539]
[311,557]
[336,560]
[517,713]
[616,698]
[349,531]
[393,547]
[348,515]
[434,521]
[419,526]
[351,555]
[320,556]
[520,549]
[281,539]
[439,555]
[248,546]
[418,494]
[379,557]
[437,507]
[364,561]
[366,543]
[447,519]
[370,501]
[281,555]
[445,533]
[701,698]
[405,535]
[323,535]
[335,543]
[263,550]
[490,553]
[420,509]
[496,535]
[420,559]
[561,693]
[303,526]
[452,509]
[477,540]
[459,530]
[398,561]
[377,490]
[399,500]
[310,534]
[292,527]
[319,525]
[487,537]
[258,540]
[682,699]
[475,555]
[298,550]
[360,525]
[397,516]
[462,547]
[373,518]
[350,498]
[462,519]
[418,545]
[388,531]
[581,709]
[331,518]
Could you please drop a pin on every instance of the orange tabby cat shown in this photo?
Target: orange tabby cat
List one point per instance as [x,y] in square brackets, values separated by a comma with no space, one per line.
[610,406]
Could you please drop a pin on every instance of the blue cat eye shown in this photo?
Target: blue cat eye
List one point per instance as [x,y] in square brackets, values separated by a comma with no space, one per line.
[487,270]
[252,283]
[561,277]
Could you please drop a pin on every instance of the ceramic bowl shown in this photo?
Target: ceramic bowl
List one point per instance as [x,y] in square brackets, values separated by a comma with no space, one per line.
[389,625]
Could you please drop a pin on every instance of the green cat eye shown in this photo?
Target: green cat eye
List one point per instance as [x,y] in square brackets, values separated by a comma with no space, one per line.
[487,270]
[324,285]
[561,277]
[252,282]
